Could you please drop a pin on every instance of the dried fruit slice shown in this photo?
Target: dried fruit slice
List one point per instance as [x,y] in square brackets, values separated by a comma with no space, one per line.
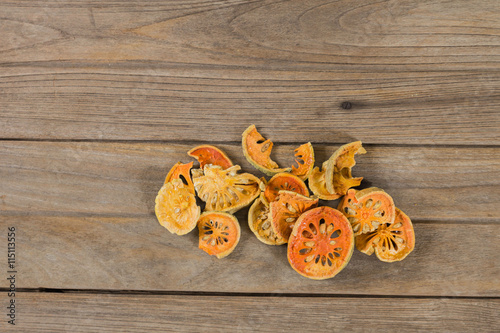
[286,209]
[207,154]
[181,171]
[225,190]
[367,209]
[260,224]
[284,181]
[257,151]
[219,233]
[176,207]
[391,242]
[321,243]
[317,184]
[305,161]
[338,177]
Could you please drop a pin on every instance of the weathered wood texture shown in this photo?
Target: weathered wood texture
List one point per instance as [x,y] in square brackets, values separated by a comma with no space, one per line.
[415,71]
[436,183]
[139,254]
[42,312]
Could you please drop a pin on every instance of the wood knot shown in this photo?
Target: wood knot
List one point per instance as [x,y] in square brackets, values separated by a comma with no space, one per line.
[346,105]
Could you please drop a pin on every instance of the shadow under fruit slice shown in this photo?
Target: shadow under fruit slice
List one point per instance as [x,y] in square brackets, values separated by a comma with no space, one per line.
[176,207]
[257,151]
[321,243]
[286,209]
[367,209]
[338,177]
[219,233]
[260,224]
[305,161]
[284,181]
[181,171]
[207,154]
[225,190]
[391,242]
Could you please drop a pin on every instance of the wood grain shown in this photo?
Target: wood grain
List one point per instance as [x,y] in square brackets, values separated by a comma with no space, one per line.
[139,254]
[43,312]
[438,183]
[415,72]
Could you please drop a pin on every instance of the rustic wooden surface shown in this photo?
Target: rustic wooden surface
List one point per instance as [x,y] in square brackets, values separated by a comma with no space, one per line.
[99,99]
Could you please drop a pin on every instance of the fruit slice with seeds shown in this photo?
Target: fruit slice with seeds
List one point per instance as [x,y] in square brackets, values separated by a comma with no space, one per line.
[259,223]
[257,151]
[207,154]
[317,184]
[176,207]
[390,242]
[219,233]
[286,209]
[181,171]
[284,181]
[225,190]
[321,243]
[338,176]
[367,209]
[304,157]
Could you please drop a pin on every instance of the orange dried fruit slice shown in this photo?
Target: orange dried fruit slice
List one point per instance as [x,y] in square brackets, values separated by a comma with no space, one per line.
[367,209]
[176,207]
[338,177]
[257,151]
[317,184]
[391,242]
[335,177]
[284,181]
[304,157]
[207,154]
[181,171]
[321,243]
[219,233]
[286,209]
[259,223]
[225,190]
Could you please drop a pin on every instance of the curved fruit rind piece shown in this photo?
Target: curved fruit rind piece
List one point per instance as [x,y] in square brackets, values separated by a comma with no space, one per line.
[367,209]
[259,153]
[338,171]
[317,184]
[286,209]
[175,207]
[225,190]
[179,170]
[284,181]
[390,242]
[321,243]
[304,157]
[259,223]
[219,233]
[207,154]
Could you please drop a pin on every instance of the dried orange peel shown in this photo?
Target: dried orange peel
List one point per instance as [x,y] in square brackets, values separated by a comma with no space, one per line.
[218,233]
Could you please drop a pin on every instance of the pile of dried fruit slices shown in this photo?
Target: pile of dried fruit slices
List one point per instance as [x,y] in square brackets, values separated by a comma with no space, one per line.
[320,239]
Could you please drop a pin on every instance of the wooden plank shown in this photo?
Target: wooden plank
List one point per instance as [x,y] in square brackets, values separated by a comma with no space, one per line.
[42,312]
[139,254]
[170,71]
[438,183]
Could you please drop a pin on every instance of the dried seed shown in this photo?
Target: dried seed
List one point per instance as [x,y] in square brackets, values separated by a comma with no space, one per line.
[376,240]
[266,225]
[213,242]
[177,210]
[309,244]
[399,239]
[214,199]
[368,203]
[290,208]
[265,147]
[286,184]
[375,224]
[356,227]
[329,229]
[353,220]
[290,219]
[205,237]
[332,242]
[366,228]
[377,205]
[309,258]
[397,225]
[322,228]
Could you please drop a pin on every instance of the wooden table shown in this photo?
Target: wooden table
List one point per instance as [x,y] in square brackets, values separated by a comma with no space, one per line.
[98,99]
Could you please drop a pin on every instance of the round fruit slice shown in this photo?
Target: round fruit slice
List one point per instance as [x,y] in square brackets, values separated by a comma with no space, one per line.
[260,224]
[207,154]
[286,209]
[257,151]
[284,181]
[317,184]
[338,177]
[305,161]
[181,171]
[321,243]
[224,190]
[391,242]
[219,233]
[367,209]
[176,207]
